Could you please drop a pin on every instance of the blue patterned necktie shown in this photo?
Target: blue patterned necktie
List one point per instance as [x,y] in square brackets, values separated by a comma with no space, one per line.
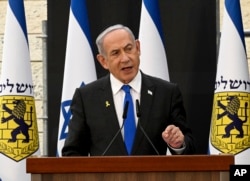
[129,124]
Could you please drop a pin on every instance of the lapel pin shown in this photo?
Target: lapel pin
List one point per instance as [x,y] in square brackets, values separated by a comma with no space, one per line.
[107,103]
[150,92]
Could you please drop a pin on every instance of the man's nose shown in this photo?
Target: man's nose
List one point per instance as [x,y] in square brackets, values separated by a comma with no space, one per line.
[124,57]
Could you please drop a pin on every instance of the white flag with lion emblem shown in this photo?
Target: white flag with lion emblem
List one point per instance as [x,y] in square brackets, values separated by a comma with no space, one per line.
[18,124]
[230,124]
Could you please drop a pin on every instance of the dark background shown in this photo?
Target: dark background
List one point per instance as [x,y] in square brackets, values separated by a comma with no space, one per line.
[189,28]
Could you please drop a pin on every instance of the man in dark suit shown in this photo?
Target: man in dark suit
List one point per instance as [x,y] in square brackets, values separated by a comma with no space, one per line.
[96,127]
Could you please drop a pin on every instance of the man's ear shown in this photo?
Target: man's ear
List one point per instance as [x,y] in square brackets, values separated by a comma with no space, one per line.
[101,59]
[138,46]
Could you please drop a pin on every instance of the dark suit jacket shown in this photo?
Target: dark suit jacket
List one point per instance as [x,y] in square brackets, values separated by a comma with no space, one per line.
[94,123]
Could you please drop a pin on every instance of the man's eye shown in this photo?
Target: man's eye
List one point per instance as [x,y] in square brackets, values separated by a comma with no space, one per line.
[128,49]
[114,53]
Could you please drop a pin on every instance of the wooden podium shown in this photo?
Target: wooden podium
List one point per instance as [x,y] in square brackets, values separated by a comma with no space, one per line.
[131,168]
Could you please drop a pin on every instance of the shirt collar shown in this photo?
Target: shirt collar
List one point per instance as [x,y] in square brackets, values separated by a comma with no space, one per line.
[135,83]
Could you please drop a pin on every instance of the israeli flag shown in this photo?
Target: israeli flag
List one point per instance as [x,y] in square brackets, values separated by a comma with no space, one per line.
[79,64]
[230,124]
[153,56]
[18,126]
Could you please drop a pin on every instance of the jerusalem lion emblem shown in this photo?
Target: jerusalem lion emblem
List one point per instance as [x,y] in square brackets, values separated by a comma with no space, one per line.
[19,137]
[230,127]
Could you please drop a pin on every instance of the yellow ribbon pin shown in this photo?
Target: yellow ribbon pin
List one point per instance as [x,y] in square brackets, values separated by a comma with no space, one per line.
[107,103]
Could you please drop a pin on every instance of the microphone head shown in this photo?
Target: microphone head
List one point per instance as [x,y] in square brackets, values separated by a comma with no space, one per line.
[125,110]
[138,110]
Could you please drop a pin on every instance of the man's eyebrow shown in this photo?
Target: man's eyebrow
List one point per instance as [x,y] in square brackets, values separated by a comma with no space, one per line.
[129,44]
[114,50]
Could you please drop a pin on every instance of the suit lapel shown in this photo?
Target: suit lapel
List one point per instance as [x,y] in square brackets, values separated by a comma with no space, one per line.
[147,95]
[110,112]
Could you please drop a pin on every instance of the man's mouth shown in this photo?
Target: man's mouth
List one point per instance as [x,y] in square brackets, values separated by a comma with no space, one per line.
[126,68]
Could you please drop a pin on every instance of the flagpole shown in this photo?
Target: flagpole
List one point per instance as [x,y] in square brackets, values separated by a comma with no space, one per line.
[45,92]
[44,116]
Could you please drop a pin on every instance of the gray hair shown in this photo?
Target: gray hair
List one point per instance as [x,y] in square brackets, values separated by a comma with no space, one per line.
[99,39]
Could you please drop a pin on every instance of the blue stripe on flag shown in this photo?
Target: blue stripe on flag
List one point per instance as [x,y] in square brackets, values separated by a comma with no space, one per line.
[17,7]
[234,11]
[153,9]
[79,10]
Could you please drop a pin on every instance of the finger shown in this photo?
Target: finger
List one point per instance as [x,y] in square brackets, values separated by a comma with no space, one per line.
[176,142]
[174,131]
[176,135]
[169,128]
[169,132]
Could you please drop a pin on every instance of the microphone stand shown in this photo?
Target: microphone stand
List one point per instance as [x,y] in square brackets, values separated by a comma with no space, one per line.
[124,116]
[138,113]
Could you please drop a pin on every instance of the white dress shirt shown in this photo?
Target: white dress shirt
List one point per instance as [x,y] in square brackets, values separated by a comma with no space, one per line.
[119,94]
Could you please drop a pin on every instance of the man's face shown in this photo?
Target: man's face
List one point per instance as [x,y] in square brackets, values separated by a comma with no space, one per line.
[121,55]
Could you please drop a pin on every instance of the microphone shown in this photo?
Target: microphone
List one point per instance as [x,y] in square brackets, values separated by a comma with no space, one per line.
[124,116]
[125,111]
[138,113]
